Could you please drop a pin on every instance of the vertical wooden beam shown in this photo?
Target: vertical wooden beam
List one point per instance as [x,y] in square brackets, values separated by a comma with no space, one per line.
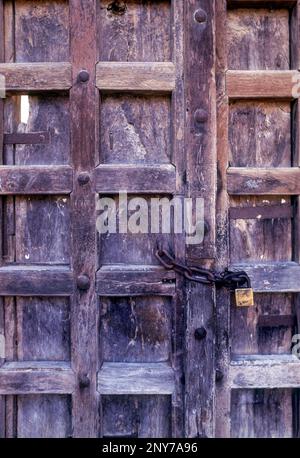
[2,330]
[179,159]
[201,177]
[83,100]
[295,63]
[223,394]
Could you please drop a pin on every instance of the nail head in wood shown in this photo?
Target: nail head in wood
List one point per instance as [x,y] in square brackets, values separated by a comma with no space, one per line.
[201,116]
[83,76]
[84,381]
[200,333]
[200,16]
[83,178]
[83,282]
[219,375]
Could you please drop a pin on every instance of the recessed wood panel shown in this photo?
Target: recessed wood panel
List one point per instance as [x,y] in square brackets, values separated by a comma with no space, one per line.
[260,134]
[261,413]
[43,416]
[132,248]
[42,230]
[45,113]
[37,329]
[40,28]
[134,30]
[135,129]
[135,329]
[258,39]
[258,239]
[136,416]
[250,331]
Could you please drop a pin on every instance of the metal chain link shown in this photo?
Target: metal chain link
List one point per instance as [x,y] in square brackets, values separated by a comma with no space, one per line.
[227,279]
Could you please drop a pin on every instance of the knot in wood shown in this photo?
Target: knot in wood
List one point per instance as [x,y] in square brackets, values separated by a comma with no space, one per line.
[117,7]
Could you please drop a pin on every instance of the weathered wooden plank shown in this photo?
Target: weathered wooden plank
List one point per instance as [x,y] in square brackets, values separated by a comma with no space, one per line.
[134,281]
[247,27]
[43,416]
[135,31]
[261,212]
[84,308]
[27,138]
[135,76]
[222,317]
[120,414]
[272,277]
[36,377]
[35,180]
[179,159]
[260,84]
[35,281]
[136,329]
[23,77]
[110,178]
[276,372]
[263,181]
[137,379]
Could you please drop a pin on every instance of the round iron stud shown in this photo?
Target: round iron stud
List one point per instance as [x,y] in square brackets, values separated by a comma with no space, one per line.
[83,282]
[83,178]
[84,381]
[200,333]
[200,16]
[83,76]
[201,116]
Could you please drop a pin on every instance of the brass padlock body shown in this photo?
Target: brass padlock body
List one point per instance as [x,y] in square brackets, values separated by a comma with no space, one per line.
[244,297]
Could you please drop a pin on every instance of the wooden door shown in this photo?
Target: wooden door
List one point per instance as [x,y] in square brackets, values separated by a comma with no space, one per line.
[158,98]
[97,339]
[257,389]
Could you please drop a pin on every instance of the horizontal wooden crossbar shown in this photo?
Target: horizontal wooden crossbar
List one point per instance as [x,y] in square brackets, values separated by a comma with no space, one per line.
[35,281]
[135,178]
[138,379]
[262,212]
[136,76]
[27,77]
[260,84]
[36,179]
[27,138]
[36,377]
[263,181]
[135,281]
[278,277]
[265,372]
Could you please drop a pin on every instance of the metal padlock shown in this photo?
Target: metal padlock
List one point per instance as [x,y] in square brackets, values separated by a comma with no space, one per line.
[244,297]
